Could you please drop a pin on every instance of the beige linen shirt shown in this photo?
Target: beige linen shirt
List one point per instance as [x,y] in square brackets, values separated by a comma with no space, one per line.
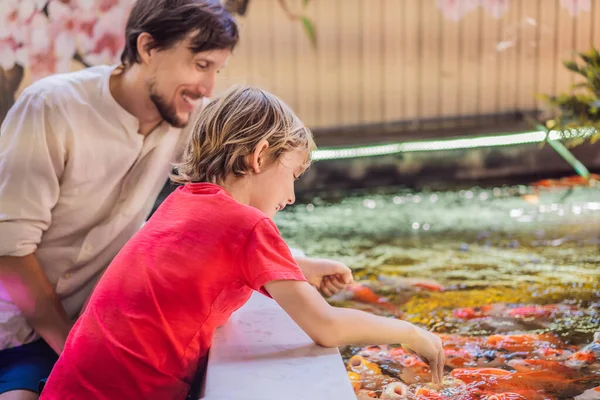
[76,182]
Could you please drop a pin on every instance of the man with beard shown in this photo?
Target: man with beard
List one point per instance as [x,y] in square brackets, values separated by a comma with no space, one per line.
[83,156]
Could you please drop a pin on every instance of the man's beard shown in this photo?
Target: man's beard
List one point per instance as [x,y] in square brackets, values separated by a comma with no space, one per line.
[167,111]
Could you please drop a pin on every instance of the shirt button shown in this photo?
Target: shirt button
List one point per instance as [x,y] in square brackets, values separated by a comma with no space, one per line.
[68,275]
[87,248]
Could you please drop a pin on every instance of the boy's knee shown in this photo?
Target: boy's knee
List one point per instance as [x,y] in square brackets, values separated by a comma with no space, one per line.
[19,395]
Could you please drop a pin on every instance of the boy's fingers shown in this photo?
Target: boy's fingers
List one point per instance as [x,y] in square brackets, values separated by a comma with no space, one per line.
[441,362]
[338,282]
[328,286]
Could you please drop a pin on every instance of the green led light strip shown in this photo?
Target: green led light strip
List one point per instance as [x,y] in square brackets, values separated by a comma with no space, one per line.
[449,144]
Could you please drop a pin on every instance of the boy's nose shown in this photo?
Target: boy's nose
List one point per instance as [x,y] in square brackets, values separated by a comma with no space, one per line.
[292,199]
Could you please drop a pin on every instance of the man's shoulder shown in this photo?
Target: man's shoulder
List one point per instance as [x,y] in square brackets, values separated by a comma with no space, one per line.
[76,87]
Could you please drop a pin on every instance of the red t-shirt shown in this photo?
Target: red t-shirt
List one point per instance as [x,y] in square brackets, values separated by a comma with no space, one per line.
[153,314]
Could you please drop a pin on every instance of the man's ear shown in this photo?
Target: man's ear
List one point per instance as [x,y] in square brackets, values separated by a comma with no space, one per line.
[144,42]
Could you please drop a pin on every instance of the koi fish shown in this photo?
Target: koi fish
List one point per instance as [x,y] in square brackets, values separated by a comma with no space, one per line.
[552,354]
[361,366]
[538,311]
[522,342]
[469,313]
[502,310]
[454,341]
[378,353]
[472,357]
[394,391]
[364,294]
[415,374]
[549,381]
[423,393]
[541,365]
[569,181]
[458,358]
[355,380]
[401,283]
[513,395]
[483,375]
[450,387]
[586,357]
[375,382]
[503,396]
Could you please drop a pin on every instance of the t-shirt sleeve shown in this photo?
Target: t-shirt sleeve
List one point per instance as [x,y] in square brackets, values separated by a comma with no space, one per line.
[268,258]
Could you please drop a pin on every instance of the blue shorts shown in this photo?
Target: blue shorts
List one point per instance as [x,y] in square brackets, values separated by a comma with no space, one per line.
[23,367]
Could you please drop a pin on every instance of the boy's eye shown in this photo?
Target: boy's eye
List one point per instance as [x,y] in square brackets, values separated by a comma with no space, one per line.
[202,65]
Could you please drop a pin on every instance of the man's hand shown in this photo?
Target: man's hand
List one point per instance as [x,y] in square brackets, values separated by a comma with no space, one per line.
[328,276]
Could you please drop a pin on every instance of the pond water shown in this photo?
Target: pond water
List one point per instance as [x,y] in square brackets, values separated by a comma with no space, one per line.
[509,276]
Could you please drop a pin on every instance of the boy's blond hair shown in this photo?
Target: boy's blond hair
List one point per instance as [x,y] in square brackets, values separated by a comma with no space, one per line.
[230,128]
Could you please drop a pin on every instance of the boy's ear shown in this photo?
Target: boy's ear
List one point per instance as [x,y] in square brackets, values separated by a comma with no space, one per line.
[257,158]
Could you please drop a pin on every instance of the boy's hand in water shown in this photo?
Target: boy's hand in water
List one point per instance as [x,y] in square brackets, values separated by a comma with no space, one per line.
[328,276]
[429,347]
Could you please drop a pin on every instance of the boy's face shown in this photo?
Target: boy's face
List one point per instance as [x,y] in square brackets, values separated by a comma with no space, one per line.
[178,79]
[273,187]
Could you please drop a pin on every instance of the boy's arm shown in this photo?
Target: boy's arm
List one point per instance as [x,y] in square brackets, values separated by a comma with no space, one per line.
[331,326]
[31,166]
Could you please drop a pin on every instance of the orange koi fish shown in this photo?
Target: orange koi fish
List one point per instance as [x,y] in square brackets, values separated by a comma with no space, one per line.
[537,311]
[366,295]
[587,356]
[541,365]
[552,354]
[355,380]
[566,182]
[402,283]
[480,375]
[454,341]
[503,396]
[469,313]
[513,395]
[549,381]
[423,393]
[523,342]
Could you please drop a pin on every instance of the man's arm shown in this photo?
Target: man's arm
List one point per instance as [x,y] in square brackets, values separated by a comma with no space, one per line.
[32,293]
[32,158]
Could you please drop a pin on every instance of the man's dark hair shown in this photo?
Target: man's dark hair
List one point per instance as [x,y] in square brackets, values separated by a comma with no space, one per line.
[170,21]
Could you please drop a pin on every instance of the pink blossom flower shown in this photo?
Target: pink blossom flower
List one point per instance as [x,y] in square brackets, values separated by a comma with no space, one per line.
[39,47]
[576,6]
[71,27]
[108,38]
[15,15]
[456,9]
[8,53]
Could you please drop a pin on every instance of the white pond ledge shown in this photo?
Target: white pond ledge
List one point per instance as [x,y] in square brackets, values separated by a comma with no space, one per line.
[261,354]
